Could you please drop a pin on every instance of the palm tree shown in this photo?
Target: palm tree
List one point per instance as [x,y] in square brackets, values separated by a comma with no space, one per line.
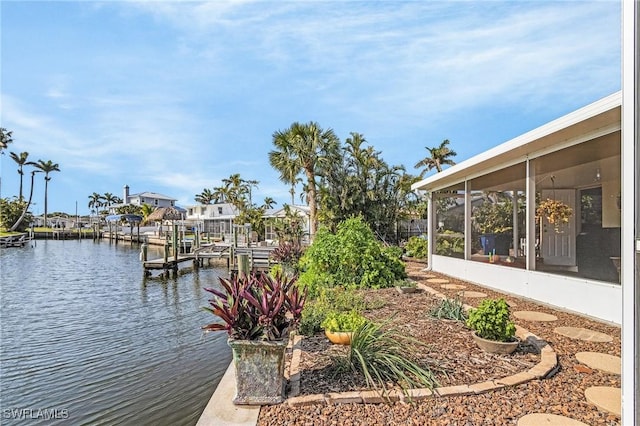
[292,190]
[146,210]
[220,194]
[47,167]
[21,160]
[437,158]
[268,203]
[26,206]
[205,197]
[5,138]
[251,183]
[308,149]
[109,199]
[236,189]
[95,202]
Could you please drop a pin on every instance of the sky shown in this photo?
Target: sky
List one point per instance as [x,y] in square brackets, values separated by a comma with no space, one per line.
[173,97]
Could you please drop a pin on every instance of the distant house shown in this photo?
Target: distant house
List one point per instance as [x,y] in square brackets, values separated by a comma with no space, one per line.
[218,219]
[151,198]
[273,215]
[214,219]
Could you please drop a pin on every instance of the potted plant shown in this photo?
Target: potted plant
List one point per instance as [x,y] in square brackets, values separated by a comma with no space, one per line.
[406,286]
[556,212]
[258,312]
[339,326]
[492,329]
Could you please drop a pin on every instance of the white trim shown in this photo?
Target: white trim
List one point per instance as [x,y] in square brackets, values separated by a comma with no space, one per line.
[629,274]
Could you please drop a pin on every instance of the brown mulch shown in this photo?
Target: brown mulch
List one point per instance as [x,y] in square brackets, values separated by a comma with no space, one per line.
[457,360]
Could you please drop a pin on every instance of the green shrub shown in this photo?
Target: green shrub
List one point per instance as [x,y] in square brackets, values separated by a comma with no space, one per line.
[449,309]
[417,247]
[490,320]
[449,243]
[352,257]
[313,314]
[330,299]
[343,321]
[10,212]
[382,355]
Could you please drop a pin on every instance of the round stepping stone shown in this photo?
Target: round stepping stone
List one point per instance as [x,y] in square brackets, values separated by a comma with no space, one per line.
[437,280]
[599,361]
[583,334]
[471,294]
[534,316]
[539,419]
[453,286]
[606,398]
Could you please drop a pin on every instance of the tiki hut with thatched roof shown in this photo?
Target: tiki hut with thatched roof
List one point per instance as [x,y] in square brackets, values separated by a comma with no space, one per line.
[165,213]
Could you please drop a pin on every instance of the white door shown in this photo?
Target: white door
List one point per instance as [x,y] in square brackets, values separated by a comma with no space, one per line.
[559,247]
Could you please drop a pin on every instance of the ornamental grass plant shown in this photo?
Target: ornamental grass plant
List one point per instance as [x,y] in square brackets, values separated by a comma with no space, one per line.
[383,355]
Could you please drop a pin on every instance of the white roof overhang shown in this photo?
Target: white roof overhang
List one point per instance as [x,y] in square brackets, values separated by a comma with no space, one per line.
[598,119]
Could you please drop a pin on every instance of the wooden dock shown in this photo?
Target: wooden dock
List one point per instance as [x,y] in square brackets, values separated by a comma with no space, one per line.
[171,264]
[19,240]
[259,258]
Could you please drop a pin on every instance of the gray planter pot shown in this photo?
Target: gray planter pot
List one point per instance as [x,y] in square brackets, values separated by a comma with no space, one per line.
[493,346]
[259,367]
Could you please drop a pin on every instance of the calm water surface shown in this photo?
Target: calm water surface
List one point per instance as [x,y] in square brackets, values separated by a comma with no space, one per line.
[85,334]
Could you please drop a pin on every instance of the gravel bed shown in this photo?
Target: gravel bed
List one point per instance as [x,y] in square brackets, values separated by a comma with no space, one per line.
[457,360]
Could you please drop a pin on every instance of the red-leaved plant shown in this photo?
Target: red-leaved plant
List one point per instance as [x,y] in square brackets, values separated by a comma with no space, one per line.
[256,306]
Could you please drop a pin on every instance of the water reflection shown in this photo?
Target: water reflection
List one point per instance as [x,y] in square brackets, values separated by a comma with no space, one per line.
[83,330]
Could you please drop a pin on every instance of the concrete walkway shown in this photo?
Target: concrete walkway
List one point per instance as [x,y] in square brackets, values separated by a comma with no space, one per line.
[221,411]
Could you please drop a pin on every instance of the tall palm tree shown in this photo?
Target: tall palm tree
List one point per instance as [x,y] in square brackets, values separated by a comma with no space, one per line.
[47,167]
[292,190]
[307,149]
[251,183]
[28,203]
[438,157]
[21,160]
[95,202]
[236,189]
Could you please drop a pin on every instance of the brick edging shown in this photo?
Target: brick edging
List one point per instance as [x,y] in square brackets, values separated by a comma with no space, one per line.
[546,367]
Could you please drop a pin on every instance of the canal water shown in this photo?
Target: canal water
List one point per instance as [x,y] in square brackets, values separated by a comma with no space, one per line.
[87,339]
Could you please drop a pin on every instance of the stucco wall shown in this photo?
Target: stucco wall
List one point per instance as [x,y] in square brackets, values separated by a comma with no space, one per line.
[593,298]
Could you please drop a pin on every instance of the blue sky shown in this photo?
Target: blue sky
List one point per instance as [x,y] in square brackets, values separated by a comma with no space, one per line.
[172,97]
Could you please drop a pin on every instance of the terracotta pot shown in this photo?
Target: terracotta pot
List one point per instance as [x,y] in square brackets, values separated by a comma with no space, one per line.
[259,367]
[493,346]
[339,337]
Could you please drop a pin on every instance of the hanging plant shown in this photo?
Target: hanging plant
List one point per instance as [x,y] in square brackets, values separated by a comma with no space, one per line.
[556,212]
